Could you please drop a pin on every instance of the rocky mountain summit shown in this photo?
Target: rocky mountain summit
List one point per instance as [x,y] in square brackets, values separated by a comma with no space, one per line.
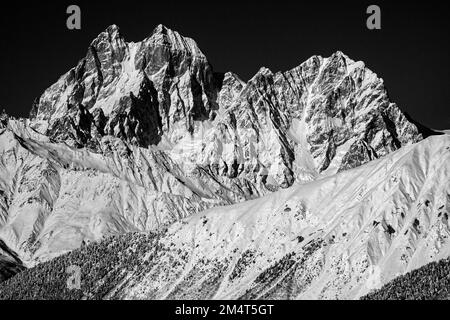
[140,135]
[245,139]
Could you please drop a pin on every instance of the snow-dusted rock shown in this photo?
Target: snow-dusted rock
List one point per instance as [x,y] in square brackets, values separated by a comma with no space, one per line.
[241,140]
[334,238]
[140,135]
[55,197]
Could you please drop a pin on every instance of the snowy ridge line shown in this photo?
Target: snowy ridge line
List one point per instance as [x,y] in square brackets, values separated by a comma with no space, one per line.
[140,136]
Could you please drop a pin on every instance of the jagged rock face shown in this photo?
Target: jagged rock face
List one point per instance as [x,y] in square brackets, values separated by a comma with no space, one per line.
[53,197]
[241,140]
[139,90]
[335,238]
[139,135]
[325,116]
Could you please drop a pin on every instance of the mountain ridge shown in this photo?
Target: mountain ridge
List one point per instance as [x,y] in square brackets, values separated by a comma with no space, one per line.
[140,135]
[339,237]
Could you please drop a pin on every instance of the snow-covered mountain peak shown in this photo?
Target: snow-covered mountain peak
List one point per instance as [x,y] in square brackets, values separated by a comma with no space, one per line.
[111,32]
[164,36]
[262,72]
[139,135]
[323,116]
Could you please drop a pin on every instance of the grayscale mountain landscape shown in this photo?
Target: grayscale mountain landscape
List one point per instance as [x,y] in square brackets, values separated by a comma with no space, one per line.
[163,179]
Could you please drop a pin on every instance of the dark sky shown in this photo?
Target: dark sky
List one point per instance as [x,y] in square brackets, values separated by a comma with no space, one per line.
[411,52]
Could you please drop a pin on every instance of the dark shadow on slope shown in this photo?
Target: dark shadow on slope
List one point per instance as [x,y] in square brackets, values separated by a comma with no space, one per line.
[10,264]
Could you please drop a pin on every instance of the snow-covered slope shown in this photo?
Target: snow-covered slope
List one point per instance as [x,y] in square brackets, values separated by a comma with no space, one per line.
[430,282]
[140,135]
[337,237]
[54,198]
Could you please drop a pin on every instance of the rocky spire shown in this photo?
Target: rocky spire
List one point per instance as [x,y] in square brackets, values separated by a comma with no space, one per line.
[323,116]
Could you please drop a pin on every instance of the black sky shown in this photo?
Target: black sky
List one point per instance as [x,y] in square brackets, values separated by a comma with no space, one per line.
[411,52]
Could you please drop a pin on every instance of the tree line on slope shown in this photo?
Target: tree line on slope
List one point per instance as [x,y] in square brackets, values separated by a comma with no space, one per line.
[431,282]
[103,266]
